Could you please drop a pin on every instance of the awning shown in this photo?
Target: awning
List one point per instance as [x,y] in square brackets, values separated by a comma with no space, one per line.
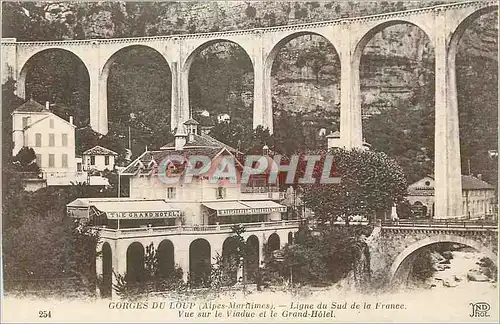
[122,208]
[228,208]
[265,206]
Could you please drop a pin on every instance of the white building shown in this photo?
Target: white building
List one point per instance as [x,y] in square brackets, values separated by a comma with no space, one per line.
[51,137]
[223,118]
[187,222]
[478,197]
[98,158]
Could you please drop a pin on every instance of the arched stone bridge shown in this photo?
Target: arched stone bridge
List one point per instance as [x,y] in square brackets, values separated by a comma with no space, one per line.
[443,24]
[393,247]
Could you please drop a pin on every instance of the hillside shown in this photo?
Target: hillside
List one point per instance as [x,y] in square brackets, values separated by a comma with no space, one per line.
[396,73]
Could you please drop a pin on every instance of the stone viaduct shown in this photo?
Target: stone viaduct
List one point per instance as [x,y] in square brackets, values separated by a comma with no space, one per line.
[394,247]
[443,24]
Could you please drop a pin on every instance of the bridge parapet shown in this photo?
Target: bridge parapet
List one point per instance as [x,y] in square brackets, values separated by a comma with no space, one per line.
[273,29]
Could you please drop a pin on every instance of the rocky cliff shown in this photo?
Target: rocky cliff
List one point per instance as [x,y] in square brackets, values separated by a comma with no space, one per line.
[396,71]
[397,62]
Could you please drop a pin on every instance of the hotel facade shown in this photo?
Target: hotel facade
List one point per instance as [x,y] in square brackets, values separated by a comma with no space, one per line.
[188,222]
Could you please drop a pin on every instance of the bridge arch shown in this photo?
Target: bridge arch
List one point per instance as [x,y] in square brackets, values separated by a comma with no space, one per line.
[442,238]
[190,85]
[367,36]
[271,56]
[324,86]
[463,25]
[186,65]
[28,64]
[105,72]
[376,99]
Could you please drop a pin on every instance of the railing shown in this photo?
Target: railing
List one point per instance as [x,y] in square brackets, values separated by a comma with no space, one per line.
[443,223]
[259,189]
[191,229]
[30,175]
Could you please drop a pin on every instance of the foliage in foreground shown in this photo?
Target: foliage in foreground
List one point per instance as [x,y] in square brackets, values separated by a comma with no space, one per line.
[324,257]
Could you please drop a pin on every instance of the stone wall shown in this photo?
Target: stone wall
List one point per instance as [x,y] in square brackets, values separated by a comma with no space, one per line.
[388,245]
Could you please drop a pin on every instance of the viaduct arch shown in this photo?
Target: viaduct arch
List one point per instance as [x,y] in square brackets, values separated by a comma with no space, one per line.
[104,75]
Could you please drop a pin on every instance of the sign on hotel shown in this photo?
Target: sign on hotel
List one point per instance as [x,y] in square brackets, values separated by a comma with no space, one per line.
[250,211]
[143,215]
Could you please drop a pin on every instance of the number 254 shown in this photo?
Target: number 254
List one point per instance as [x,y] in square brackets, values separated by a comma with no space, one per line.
[44,314]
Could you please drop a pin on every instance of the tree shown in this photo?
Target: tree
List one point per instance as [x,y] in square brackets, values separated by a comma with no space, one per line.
[369,182]
[325,256]
[25,160]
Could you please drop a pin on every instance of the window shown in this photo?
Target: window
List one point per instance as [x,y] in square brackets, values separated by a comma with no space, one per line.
[92,160]
[220,193]
[64,162]
[26,121]
[38,139]
[106,160]
[171,192]
[52,140]
[39,160]
[51,161]
[64,140]
[51,123]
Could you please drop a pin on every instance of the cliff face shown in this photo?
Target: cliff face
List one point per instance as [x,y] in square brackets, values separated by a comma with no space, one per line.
[396,73]
[396,68]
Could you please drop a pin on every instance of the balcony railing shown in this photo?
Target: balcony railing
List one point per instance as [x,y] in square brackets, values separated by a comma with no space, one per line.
[259,189]
[442,223]
[195,229]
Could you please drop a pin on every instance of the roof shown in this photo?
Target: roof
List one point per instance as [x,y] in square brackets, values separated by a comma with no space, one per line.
[335,134]
[468,183]
[87,202]
[126,207]
[144,162]
[132,206]
[31,106]
[99,150]
[228,208]
[200,141]
[191,121]
[473,183]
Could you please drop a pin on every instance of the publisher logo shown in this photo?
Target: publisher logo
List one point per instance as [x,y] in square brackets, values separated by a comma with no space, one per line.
[480,309]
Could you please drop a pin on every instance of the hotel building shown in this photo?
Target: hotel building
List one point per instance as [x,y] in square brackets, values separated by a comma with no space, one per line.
[188,222]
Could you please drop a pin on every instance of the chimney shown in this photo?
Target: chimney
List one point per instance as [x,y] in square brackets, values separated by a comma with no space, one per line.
[71,120]
[480,176]
[47,105]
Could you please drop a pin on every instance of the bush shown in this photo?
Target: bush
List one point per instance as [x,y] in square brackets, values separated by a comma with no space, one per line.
[489,268]
[322,258]
[129,289]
